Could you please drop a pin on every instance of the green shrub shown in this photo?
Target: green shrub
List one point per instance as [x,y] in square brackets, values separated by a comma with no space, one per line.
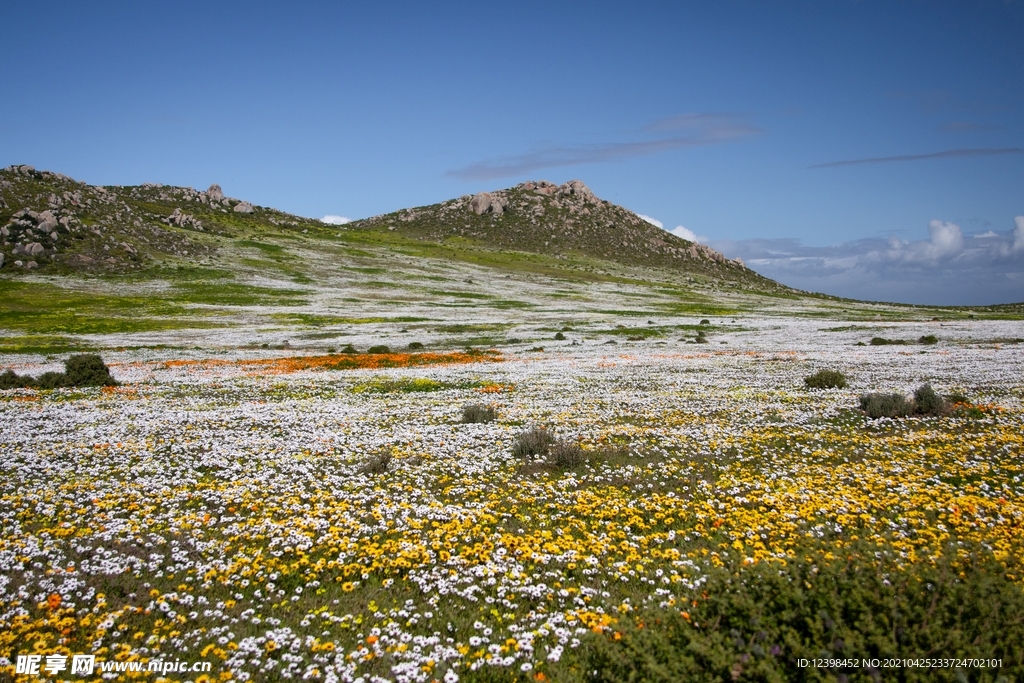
[928,339]
[415,345]
[755,622]
[349,349]
[87,370]
[476,413]
[826,379]
[11,380]
[559,336]
[882,341]
[379,348]
[532,443]
[927,402]
[705,321]
[81,370]
[52,380]
[886,405]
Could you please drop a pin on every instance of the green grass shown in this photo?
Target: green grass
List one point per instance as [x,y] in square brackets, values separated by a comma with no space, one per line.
[320,320]
[408,385]
[45,309]
[221,294]
[272,249]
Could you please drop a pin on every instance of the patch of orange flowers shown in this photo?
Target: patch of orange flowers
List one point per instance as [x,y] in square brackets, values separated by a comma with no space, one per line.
[346,361]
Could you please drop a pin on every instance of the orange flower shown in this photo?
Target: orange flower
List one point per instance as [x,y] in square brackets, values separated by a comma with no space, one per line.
[372,639]
[53,602]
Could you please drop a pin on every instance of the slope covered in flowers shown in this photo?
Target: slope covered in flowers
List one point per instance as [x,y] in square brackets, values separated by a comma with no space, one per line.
[223,511]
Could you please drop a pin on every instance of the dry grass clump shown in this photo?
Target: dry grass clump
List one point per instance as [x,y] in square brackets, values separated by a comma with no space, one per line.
[378,462]
[534,442]
[566,454]
[477,413]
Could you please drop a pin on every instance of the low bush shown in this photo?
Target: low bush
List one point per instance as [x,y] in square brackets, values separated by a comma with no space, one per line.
[87,370]
[882,341]
[379,348]
[11,380]
[532,443]
[927,402]
[826,379]
[928,339]
[566,454]
[886,405]
[755,622]
[349,349]
[559,336]
[415,346]
[476,413]
[378,462]
[81,370]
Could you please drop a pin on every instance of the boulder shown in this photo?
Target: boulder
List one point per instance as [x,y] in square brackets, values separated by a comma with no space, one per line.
[576,188]
[215,193]
[47,221]
[480,203]
[34,249]
[243,207]
[1,259]
[31,264]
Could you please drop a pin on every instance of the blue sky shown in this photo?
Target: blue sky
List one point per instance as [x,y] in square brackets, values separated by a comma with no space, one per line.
[813,139]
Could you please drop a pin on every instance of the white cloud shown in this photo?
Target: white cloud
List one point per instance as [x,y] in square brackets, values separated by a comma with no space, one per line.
[685,233]
[947,241]
[943,269]
[335,220]
[653,221]
[983,235]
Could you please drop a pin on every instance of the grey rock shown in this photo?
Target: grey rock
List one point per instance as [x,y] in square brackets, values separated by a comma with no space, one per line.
[5,231]
[3,203]
[480,203]
[47,221]
[31,264]
[576,188]
[243,207]
[19,263]
[215,193]
[1,260]
[34,249]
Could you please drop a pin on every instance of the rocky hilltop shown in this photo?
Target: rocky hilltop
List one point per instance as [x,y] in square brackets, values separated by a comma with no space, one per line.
[543,217]
[51,222]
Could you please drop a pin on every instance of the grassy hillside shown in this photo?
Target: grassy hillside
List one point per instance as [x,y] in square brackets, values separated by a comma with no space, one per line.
[87,267]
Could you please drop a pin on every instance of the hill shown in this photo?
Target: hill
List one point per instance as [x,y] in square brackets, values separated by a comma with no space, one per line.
[560,220]
[54,224]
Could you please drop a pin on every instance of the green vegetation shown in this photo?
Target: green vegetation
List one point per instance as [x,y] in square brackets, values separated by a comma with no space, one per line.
[826,379]
[82,370]
[882,341]
[756,622]
[925,402]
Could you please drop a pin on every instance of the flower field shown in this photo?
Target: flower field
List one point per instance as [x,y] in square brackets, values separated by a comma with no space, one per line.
[223,510]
